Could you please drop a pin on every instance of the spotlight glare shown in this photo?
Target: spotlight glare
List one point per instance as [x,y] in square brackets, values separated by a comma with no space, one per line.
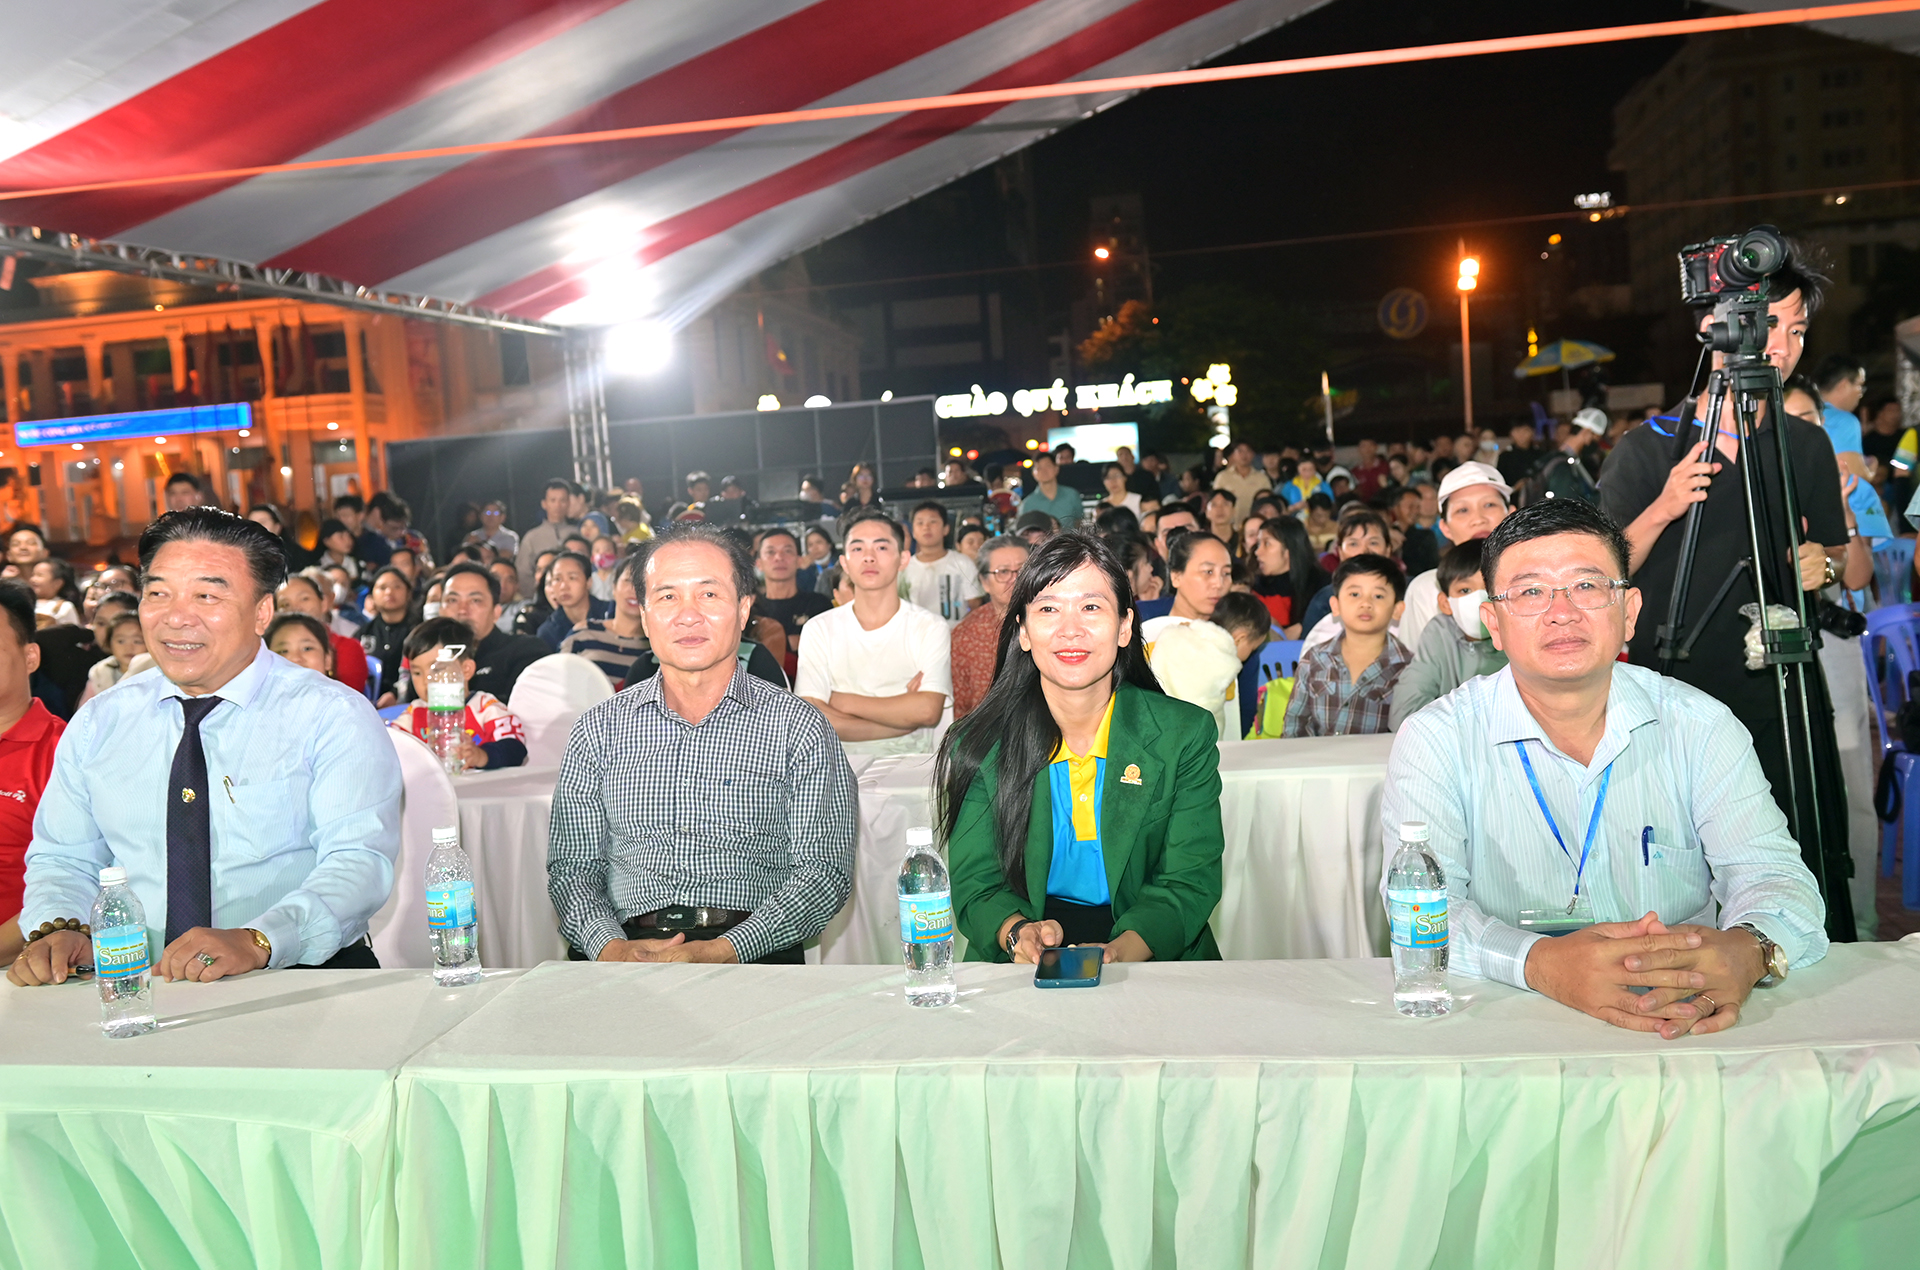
[637,348]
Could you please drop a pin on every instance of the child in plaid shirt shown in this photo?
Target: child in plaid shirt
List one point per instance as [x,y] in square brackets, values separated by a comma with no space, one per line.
[495,735]
[1344,686]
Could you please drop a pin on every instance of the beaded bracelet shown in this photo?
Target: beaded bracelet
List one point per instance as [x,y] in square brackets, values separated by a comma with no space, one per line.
[60,923]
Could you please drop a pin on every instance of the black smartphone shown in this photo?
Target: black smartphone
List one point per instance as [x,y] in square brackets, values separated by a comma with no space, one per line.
[1069,968]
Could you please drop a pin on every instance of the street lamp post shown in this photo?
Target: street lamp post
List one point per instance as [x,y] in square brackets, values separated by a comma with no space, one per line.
[1468,280]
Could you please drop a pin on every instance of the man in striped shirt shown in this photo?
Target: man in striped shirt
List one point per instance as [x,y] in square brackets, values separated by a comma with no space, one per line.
[1623,811]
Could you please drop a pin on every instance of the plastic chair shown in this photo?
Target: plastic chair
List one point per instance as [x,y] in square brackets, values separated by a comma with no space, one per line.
[399,929]
[1893,570]
[1278,659]
[374,669]
[549,696]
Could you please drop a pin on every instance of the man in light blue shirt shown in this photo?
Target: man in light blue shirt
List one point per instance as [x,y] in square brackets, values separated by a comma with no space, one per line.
[254,804]
[1572,790]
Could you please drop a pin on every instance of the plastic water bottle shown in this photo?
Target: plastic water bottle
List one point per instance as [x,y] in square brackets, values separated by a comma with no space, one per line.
[926,922]
[1417,912]
[122,957]
[447,708]
[452,926]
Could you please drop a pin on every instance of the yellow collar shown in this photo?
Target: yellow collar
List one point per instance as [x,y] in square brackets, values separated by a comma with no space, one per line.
[1099,746]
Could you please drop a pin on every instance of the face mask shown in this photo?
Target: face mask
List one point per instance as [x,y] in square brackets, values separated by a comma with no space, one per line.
[603,559]
[1466,614]
[429,610]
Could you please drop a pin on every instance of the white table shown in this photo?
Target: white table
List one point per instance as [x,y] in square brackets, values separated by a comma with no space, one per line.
[503,825]
[1237,1114]
[254,1128]
[1301,870]
[1300,873]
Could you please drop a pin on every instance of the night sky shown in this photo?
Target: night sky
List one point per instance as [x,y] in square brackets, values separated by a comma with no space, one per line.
[1323,153]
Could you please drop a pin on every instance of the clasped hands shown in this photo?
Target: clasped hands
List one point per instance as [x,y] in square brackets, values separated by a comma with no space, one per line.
[1036,937]
[1696,978]
[717,951]
[53,957]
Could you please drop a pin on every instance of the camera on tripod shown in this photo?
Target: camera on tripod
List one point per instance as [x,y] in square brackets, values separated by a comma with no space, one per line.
[1731,274]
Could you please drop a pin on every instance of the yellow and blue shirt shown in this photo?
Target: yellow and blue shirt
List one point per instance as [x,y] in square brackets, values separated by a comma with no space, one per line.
[1079,870]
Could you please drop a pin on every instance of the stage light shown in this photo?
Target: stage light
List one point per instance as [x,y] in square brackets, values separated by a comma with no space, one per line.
[1032,444]
[767,402]
[887,395]
[637,348]
[816,402]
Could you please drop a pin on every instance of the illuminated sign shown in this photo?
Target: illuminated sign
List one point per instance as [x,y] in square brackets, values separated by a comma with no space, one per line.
[135,424]
[1031,401]
[1591,202]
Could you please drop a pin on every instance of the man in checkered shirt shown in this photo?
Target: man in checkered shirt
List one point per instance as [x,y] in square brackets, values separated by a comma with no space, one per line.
[701,814]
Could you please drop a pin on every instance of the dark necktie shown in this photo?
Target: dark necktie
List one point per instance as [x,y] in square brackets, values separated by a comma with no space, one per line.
[189,827]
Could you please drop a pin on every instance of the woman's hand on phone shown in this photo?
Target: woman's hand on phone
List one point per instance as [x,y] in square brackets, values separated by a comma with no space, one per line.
[1034,938]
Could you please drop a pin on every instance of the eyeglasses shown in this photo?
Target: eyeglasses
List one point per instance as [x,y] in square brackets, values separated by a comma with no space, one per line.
[1003,573]
[1532,601]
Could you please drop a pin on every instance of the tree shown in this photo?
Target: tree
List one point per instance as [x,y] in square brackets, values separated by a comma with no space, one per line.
[1274,354]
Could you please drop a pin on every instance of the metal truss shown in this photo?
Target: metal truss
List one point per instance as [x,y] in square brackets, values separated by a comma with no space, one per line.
[587,411]
[254,280]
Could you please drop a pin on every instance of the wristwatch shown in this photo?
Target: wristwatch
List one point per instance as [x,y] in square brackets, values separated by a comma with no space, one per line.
[1772,955]
[1013,933]
[261,942]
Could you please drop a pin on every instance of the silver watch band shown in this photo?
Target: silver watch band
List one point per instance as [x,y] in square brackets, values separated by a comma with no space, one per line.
[1766,950]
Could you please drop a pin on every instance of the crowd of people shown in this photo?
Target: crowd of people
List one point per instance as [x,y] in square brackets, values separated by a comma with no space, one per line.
[1071,648]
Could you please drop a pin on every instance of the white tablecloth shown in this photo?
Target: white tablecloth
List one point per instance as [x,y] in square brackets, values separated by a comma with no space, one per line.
[1301,870]
[1245,1114]
[255,1128]
[503,826]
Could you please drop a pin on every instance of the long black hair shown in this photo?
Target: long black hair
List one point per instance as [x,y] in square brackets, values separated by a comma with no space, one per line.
[1013,717]
[1302,559]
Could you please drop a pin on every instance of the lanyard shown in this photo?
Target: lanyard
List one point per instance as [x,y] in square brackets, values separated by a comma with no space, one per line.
[1593,823]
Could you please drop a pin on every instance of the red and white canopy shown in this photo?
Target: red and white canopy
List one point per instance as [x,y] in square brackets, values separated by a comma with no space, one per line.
[657,228]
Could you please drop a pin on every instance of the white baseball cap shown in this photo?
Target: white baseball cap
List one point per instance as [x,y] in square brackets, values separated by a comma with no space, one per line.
[1593,420]
[1472,474]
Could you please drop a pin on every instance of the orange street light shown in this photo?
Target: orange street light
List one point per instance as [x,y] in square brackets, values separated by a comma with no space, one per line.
[1468,280]
[1101,253]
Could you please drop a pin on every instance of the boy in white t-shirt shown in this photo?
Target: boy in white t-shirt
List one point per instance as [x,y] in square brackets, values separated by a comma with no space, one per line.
[939,580]
[879,668]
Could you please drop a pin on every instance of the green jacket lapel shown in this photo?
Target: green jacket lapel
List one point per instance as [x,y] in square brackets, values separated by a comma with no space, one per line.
[1123,805]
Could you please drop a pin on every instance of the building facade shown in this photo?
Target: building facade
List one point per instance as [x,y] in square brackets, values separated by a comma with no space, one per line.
[326,390]
[1763,113]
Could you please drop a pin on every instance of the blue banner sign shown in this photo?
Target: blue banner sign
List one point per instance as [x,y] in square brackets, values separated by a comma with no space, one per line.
[135,423]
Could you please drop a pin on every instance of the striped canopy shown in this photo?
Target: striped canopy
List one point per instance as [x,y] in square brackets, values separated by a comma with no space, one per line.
[657,228]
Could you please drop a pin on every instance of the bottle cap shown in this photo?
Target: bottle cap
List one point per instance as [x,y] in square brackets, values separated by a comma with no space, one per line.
[1414,831]
[112,875]
[451,652]
[920,836]
[447,837]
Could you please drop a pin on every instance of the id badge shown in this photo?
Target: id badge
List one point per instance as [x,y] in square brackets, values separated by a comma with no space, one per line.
[1558,921]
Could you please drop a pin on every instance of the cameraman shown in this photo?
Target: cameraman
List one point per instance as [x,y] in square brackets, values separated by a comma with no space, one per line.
[1643,488]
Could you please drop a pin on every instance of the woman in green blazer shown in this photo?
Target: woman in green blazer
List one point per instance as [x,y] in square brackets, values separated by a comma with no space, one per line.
[1079,803]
